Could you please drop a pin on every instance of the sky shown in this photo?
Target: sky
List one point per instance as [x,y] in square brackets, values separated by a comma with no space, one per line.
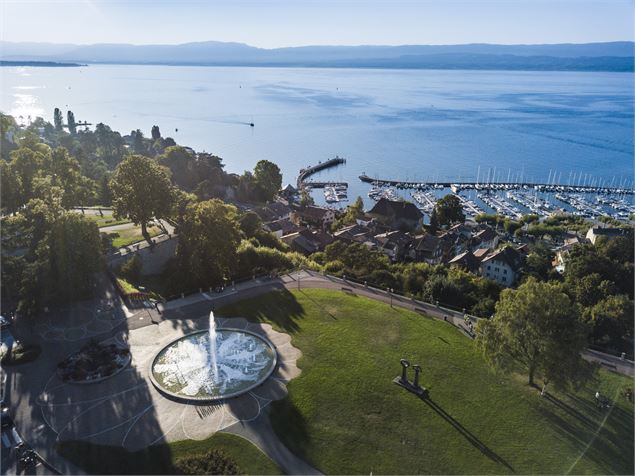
[276,23]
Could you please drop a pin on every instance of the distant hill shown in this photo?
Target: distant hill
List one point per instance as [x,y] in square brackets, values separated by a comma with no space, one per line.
[612,56]
[47,64]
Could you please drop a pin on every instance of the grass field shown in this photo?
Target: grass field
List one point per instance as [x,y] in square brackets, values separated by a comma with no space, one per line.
[106,220]
[158,459]
[131,235]
[344,414]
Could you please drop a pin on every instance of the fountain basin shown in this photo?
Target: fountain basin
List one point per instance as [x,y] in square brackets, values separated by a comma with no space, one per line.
[183,368]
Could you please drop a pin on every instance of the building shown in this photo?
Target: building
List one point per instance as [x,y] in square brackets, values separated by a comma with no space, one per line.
[281,227]
[427,248]
[274,211]
[394,244]
[314,216]
[596,232]
[307,242]
[502,266]
[466,261]
[485,238]
[397,215]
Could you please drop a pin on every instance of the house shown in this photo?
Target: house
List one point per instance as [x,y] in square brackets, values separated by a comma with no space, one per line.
[288,191]
[502,266]
[485,238]
[353,233]
[281,227]
[427,248]
[481,253]
[394,244]
[307,242]
[314,216]
[562,254]
[466,261]
[274,211]
[397,215]
[609,233]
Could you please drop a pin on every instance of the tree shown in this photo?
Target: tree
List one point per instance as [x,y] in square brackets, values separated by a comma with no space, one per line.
[538,263]
[156,134]
[433,227]
[70,119]
[141,191]
[250,224]
[138,143]
[10,188]
[26,164]
[612,319]
[449,210]
[268,177]
[75,247]
[208,238]
[535,327]
[58,119]
[353,212]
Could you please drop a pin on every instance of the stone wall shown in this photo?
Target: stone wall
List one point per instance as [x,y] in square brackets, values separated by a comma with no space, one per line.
[153,258]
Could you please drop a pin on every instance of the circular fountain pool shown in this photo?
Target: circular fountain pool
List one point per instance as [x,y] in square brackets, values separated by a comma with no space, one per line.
[197,367]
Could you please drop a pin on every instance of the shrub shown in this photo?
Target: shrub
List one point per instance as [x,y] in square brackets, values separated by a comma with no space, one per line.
[131,269]
[21,354]
[214,461]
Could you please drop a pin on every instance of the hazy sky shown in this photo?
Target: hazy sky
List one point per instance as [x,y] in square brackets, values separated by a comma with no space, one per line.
[272,23]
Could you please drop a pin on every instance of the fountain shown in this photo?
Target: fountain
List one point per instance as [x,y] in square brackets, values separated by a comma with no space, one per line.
[213,364]
[212,343]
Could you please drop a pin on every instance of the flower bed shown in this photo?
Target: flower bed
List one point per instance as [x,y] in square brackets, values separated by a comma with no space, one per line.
[93,362]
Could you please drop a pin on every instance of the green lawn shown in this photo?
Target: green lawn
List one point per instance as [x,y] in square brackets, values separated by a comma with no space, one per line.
[106,220]
[344,414]
[158,459]
[131,235]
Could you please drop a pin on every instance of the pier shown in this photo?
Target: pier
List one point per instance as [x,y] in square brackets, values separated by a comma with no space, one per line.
[458,186]
[307,172]
[324,184]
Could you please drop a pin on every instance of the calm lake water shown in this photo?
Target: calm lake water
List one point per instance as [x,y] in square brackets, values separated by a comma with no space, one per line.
[409,125]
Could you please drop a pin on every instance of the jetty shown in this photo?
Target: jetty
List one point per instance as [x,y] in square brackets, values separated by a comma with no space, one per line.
[308,171]
[458,186]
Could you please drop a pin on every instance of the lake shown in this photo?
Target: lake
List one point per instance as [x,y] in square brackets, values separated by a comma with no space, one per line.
[402,124]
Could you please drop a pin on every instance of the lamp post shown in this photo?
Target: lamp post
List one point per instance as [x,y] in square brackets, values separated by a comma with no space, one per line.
[390,291]
[298,279]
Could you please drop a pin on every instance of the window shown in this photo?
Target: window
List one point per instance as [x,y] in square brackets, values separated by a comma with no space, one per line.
[504,271]
[504,279]
[489,267]
[496,269]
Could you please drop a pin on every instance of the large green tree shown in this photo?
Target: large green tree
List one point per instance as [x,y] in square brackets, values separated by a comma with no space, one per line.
[209,235]
[268,177]
[535,328]
[449,210]
[75,247]
[141,191]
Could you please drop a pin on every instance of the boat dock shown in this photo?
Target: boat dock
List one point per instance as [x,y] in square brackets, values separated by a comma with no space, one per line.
[307,172]
[324,184]
[458,186]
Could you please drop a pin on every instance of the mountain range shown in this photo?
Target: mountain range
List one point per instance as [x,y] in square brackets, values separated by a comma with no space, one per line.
[610,56]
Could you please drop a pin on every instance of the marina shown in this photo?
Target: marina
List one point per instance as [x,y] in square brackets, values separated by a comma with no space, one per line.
[494,186]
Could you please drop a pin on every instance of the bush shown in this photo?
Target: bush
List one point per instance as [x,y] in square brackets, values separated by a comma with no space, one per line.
[131,269]
[21,354]
[215,461]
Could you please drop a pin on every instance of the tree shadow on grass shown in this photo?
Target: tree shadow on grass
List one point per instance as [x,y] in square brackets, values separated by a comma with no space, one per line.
[468,435]
[608,441]
[318,304]
[279,307]
[289,424]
